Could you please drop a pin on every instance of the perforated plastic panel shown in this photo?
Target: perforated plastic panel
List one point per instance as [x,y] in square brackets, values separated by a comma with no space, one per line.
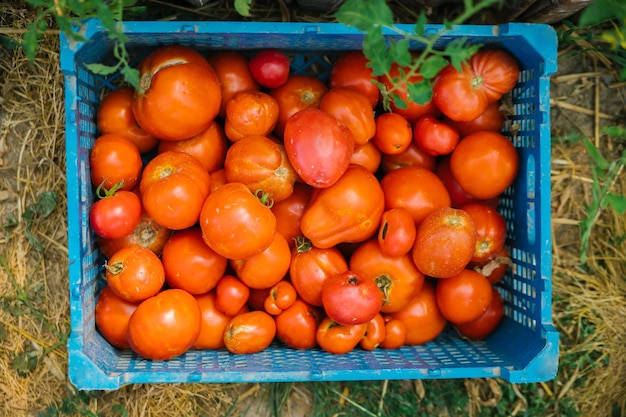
[524,348]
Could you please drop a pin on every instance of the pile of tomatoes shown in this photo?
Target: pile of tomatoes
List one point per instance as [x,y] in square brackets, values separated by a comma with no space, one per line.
[239,204]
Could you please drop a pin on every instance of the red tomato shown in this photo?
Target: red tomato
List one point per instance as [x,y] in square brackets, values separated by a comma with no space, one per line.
[397,278]
[165,326]
[310,267]
[208,147]
[234,222]
[348,211]
[231,68]
[115,115]
[318,146]
[464,297]
[339,338]
[213,324]
[249,332]
[367,155]
[298,93]
[351,71]
[483,326]
[458,196]
[250,113]
[218,178]
[490,230]
[351,298]
[180,94]
[434,136]
[115,215]
[464,95]
[421,316]
[484,164]
[112,316]
[397,231]
[374,334]
[261,164]
[353,109]
[270,68]
[297,325]
[190,264]
[417,190]
[114,160]
[395,334]
[393,133]
[491,119]
[135,273]
[173,188]
[495,267]
[282,295]
[266,268]
[231,295]
[412,156]
[444,243]
[289,211]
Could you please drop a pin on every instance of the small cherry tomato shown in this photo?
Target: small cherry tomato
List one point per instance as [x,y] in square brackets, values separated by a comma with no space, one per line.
[270,68]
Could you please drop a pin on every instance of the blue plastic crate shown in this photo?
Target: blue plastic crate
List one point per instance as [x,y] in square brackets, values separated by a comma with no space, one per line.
[524,348]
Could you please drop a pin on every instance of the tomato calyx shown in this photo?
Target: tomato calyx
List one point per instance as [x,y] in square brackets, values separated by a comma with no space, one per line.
[264,198]
[146,79]
[384,283]
[103,193]
[114,268]
[303,244]
[488,268]
[477,81]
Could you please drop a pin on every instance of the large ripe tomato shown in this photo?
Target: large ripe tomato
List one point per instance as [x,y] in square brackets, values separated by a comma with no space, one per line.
[436,137]
[310,267]
[353,109]
[339,338]
[464,95]
[173,188]
[289,212]
[318,146]
[367,155]
[417,190]
[115,115]
[484,164]
[458,196]
[350,70]
[421,316]
[262,165]
[298,93]
[250,113]
[483,326]
[348,211]
[351,298]
[116,214]
[180,93]
[189,264]
[249,332]
[231,295]
[135,273]
[113,159]
[208,147]
[297,325]
[397,278]
[231,68]
[147,233]
[444,243]
[165,326]
[112,316]
[266,268]
[490,230]
[270,67]
[235,223]
[491,119]
[396,234]
[213,324]
[464,297]
[412,156]
[393,133]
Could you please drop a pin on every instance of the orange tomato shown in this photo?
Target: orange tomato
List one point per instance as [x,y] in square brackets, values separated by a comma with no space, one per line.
[266,268]
[366,155]
[393,134]
[250,113]
[249,332]
[350,70]
[231,68]
[113,159]
[353,109]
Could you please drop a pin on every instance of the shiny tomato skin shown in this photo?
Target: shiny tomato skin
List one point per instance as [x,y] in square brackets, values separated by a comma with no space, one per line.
[339,338]
[297,325]
[351,298]
[289,212]
[231,295]
[319,147]
[213,324]
[115,216]
[270,68]
[235,223]
[421,316]
[374,334]
[445,242]
[434,136]
[458,196]
[417,190]
[490,230]
[397,231]
[348,211]
[484,164]
[495,267]
[282,296]
[233,73]
[395,334]
[266,268]
[189,264]
[393,133]
[218,178]
[173,188]
[112,315]
[135,273]
[249,332]
[491,119]
[350,70]
[464,297]
[165,326]
[413,156]
[310,267]
[353,109]
[397,278]
[114,159]
[180,94]
[483,326]
[250,113]
[368,156]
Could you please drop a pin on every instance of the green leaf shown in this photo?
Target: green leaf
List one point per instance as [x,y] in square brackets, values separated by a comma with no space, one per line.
[432,65]
[365,14]
[420,24]
[617,202]
[102,69]
[375,49]
[45,205]
[25,362]
[599,11]
[596,155]
[131,76]
[106,16]
[399,52]
[420,92]
[398,101]
[460,52]
[31,39]
[243,7]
